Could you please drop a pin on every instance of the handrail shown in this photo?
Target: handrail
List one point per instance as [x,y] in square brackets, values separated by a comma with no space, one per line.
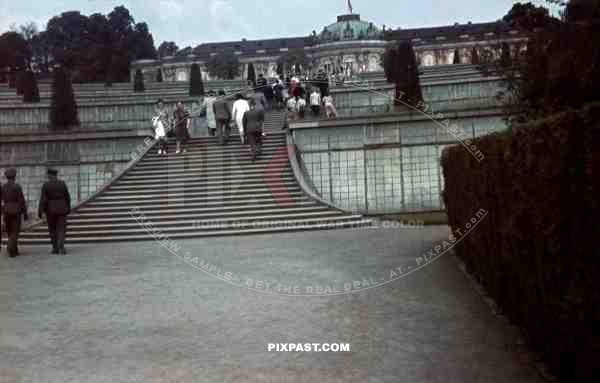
[302,178]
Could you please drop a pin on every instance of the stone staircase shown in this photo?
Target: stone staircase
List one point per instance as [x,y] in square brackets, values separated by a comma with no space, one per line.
[208,191]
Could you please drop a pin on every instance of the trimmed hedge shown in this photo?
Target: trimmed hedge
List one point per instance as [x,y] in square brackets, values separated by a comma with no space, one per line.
[536,251]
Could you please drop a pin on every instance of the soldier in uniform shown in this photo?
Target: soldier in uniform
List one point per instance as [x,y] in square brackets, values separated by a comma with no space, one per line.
[13,207]
[55,202]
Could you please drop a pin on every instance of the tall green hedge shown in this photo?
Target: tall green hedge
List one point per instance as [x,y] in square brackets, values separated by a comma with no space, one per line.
[138,82]
[63,108]
[31,91]
[536,250]
[196,84]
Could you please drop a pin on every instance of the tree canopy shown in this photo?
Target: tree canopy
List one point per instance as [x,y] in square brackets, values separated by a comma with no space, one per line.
[95,48]
[167,48]
[528,17]
[400,67]
[559,70]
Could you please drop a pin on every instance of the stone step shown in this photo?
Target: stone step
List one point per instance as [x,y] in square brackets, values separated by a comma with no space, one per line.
[184,209]
[194,176]
[190,184]
[352,222]
[201,169]
[243,163]
[195,191]
[102,204]
[189,220]
[241,157]
[188,226]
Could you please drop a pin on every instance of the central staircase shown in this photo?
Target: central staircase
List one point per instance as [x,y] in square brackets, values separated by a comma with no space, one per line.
[211,190]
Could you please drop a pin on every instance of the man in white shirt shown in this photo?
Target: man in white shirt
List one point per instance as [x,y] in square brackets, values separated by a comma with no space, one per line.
[240,106]
[315,102]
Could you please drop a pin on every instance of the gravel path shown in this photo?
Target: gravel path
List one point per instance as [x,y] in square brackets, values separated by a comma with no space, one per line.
[137,313]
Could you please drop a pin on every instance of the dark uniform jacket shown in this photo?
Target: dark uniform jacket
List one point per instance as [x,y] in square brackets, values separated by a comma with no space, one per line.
[253,120]
[13,201]
[221,109]
[55,198]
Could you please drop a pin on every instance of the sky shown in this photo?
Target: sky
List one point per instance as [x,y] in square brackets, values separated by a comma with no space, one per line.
[192,22]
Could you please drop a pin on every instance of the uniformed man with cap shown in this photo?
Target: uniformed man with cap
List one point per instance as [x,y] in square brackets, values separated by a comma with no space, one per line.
[55,202]
[13,207]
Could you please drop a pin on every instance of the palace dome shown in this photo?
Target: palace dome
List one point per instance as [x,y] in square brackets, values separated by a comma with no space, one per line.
[350,27]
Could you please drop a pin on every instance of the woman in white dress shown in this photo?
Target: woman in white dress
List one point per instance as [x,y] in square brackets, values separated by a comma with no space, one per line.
[160,123]
[330,110]
[240,106]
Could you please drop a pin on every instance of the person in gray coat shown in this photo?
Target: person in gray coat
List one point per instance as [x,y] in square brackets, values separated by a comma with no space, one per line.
[223,117]
[253,121]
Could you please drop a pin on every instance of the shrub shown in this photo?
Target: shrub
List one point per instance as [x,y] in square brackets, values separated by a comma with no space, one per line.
[31,92]
[63,109]
[196,84]
[138,81]
[535,250]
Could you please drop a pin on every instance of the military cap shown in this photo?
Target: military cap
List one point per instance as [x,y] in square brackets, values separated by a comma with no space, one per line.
[10,173]
[52,172]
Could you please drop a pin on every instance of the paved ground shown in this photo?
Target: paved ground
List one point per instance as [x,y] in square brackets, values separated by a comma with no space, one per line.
[136,313]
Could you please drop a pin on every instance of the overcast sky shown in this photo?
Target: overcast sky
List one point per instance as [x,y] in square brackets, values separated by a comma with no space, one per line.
[191,22]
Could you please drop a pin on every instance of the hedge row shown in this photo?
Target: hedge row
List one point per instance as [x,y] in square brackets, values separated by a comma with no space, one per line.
[537,250]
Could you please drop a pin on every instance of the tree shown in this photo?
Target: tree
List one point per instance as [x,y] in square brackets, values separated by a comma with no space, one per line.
[15,55]
[28,31]
[159,76]
[528,17]
[98,48]
[41,55]
[196,84]
[456,57]
[251,74]
[560,69]
[294,59]
[400,67]
[474,56]
[63,109]
[224,65]
[31,92]
[582,11]
[167,48]
[142,42]
[138,81]
[67,39]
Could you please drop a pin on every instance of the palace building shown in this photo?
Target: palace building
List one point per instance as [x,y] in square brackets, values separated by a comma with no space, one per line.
[350,45]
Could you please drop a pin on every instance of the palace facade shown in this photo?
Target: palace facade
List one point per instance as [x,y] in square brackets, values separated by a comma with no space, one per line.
[350,45]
